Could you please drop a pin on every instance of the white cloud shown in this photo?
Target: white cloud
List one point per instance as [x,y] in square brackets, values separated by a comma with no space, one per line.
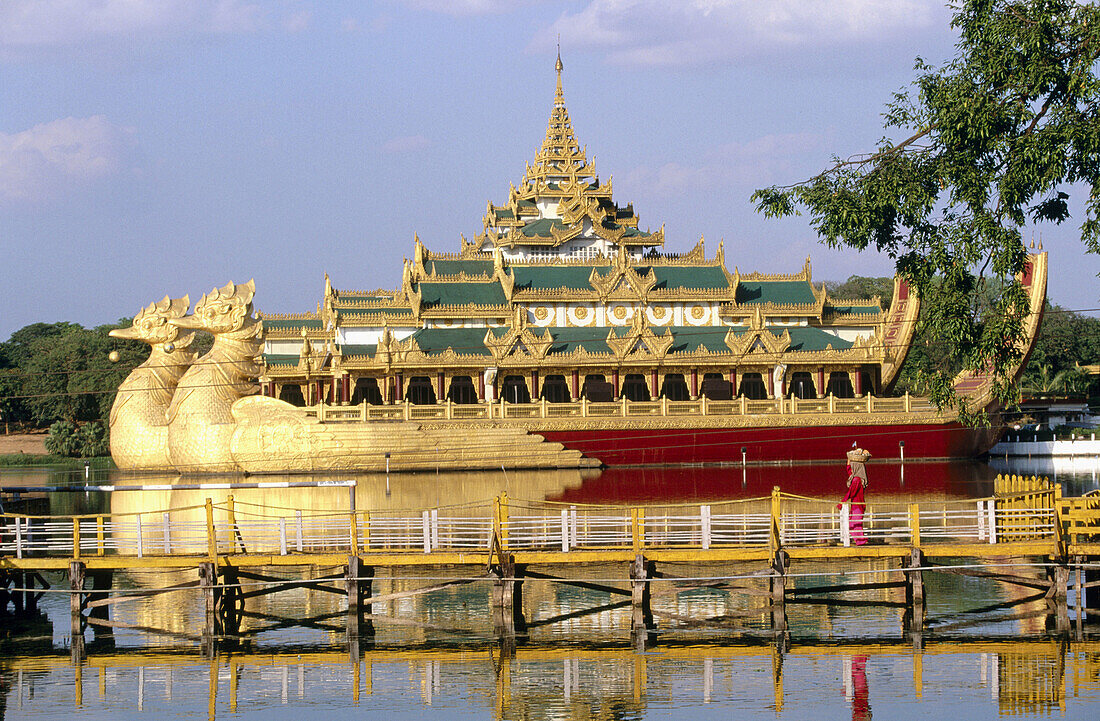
[48,159]
[405,144]
[463,7]
[759,162]
[692,32]
[298,21]
[49,23]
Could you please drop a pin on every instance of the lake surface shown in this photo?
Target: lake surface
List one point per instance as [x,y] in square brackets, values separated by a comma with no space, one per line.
[710,652]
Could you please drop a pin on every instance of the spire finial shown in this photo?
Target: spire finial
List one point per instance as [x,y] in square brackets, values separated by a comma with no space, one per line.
[558,66]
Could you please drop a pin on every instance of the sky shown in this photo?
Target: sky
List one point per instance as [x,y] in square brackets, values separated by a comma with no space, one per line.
[152,147]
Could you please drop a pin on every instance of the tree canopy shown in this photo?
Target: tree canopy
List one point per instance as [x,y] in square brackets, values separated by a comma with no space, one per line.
[997,138]
[61,372]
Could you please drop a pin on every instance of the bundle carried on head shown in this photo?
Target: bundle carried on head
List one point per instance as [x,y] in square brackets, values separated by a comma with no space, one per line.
[858,455]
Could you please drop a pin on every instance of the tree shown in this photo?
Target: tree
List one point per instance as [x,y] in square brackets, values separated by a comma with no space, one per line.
[1066,341]
[859,287]
[999,136]
[61,371]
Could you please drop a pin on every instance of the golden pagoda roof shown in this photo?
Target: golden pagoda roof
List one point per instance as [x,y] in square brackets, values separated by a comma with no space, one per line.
[558,193]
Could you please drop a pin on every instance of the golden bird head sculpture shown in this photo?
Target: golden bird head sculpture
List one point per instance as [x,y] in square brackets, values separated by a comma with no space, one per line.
[153,324]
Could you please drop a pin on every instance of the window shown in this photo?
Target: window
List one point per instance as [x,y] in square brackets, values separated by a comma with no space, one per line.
[752,387]
[802,385]
[635,388]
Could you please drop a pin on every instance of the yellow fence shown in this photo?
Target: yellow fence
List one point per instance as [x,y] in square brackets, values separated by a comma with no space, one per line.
[1037,519]
[447,410]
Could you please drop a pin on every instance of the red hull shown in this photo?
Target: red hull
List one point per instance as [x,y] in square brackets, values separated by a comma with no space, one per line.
[890,481]
[646,446]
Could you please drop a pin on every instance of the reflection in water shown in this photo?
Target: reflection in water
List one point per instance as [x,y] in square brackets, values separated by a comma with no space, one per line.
[1077,474]
[974,679]
[435,655]
[855,687]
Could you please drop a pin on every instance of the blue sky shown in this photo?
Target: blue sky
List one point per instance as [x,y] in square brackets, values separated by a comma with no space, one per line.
[152,147]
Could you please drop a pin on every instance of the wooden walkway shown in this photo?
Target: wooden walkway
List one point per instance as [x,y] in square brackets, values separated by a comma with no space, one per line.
[230,541]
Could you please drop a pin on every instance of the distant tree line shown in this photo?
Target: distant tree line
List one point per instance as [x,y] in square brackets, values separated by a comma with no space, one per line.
[1067,340]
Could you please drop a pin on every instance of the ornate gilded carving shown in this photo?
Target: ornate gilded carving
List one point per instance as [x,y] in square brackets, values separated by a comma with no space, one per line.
[200,424]
[139,428]
[639,341]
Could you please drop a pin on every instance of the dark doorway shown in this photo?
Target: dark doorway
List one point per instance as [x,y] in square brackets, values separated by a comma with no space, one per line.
[840,385]
[675,388]
[513,389]
[366,389]
[555,389]
[292,394]
[635,388]
[716,388]
[597,390]
[802,385]
[868,382]
[420,391]
[462,390]
[752,387]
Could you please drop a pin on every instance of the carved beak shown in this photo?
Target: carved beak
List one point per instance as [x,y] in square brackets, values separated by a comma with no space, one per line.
[187,321]
[126,333]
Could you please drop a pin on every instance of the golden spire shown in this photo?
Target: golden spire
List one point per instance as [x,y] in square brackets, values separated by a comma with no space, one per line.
[560,153]
[558,97]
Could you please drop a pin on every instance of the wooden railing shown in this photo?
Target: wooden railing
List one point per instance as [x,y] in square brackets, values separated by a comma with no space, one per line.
[583,408]
[1051,524]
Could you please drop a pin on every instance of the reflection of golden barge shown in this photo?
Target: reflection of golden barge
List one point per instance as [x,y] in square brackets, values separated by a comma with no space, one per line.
[560,322]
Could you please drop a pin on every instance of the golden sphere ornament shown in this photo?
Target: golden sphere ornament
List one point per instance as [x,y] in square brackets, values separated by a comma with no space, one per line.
[113,356]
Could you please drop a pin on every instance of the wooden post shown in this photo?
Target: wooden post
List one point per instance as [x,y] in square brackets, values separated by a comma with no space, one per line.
[506,597]
[229,609]
[639,582]
[211,537]
[774,541]
[641,571]
[1058,596]
[501,519]
[76,601]
[208,581]
[352,575]
[781,561]
[914,592]
[914,525]
[777,587]
[508,584]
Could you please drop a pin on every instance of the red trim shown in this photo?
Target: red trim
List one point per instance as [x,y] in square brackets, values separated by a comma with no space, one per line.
[887,481]
[634,446]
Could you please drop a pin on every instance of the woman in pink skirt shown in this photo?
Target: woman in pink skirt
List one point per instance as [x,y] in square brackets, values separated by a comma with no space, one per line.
[857,482]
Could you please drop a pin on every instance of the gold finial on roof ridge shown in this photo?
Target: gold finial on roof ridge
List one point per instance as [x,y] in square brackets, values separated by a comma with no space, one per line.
[558,66]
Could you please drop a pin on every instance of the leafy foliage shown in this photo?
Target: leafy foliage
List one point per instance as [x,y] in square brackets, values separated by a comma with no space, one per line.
[61,372]
[859,287]
[86,441]
[1066,341]
[995,139]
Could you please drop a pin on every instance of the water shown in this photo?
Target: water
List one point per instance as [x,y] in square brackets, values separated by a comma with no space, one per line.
[712,653]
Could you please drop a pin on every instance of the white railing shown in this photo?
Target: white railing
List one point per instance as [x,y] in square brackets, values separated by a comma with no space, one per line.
[778,521]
